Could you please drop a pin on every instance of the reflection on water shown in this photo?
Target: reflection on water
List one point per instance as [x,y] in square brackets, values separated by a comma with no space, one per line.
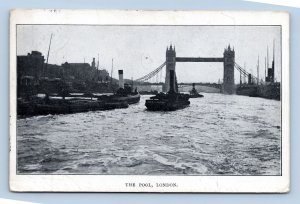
[217,134]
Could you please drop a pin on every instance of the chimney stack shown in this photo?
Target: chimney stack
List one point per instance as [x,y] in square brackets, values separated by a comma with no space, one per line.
[121,79]
[172,81]
[93,63]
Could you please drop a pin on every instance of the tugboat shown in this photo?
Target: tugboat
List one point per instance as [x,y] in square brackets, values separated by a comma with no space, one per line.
[123,94]
[194,93]
[170,101]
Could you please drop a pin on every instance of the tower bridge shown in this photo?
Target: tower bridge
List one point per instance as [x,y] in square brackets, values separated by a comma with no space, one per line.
[228,60]
[199,59]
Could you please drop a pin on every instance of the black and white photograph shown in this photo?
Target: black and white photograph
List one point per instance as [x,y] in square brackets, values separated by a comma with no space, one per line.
[183,100]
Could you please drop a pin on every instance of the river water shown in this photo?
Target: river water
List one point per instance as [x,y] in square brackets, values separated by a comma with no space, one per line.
[217,134]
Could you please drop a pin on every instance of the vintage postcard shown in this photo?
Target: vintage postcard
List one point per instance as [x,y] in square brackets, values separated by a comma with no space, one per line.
[149,101]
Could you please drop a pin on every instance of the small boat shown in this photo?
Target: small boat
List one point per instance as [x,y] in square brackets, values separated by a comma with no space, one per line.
[170,101]
[194,93]
[167,102]
[123,94]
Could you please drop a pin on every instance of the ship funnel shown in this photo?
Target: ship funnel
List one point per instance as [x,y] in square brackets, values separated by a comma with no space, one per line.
[172,81]
[249,78]
[121,79]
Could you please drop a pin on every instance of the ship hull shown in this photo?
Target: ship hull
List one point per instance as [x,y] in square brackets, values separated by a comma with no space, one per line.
[60,106]
[269,91]
[156,105]
[196,96]
[130,99]
[250,90]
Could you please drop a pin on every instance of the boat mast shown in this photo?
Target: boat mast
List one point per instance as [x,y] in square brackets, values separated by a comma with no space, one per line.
[98,69]
[267,57]
[245,70]
[48,54]
[258,70]
[273,63]
[98,62]
[265,69]
[111,72]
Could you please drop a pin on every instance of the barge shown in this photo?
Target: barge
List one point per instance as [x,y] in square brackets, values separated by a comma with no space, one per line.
[63,106]
[170,101]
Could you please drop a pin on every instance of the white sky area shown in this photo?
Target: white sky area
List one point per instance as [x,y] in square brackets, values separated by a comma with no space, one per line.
[140,49]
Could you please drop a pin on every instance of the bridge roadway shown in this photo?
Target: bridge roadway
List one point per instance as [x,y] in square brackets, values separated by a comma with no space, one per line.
[180,85]
[199,59]
[214,85]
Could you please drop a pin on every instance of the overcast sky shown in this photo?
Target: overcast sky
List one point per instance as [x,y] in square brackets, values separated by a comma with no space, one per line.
[140,49]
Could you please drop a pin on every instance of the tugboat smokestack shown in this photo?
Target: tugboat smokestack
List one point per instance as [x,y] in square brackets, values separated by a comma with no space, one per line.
[172,81]
[121,79]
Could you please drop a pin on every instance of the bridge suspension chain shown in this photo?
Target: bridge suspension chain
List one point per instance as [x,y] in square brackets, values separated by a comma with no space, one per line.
[243,71]
[151,74]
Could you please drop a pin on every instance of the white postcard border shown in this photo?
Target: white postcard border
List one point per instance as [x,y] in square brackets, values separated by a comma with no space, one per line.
[117,183]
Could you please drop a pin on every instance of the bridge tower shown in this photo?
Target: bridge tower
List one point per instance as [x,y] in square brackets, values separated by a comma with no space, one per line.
[170,65]
[228,77]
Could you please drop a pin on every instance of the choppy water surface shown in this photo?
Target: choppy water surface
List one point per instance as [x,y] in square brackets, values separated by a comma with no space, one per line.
[217,134]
